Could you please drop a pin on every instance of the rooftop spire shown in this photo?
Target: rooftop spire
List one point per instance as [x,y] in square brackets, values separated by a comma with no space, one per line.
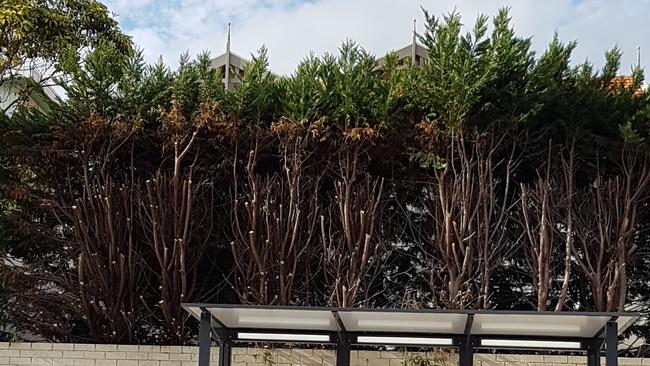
[413,44]
[228,39]
[226,79]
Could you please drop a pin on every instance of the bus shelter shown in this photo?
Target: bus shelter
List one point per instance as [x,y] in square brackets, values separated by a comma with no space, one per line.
[466,330]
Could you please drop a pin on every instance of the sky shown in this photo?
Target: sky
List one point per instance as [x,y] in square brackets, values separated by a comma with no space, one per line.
[292,29]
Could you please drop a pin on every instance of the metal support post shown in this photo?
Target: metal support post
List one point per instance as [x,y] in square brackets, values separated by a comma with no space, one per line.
[466,351]
[611,343]
[205,338]
[593,352]
[343,348]
[225,348]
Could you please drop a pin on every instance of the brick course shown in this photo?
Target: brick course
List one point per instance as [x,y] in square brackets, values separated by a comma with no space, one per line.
[61,354]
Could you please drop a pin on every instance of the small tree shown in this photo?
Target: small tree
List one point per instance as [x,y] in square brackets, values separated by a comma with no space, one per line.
[606,222]
[173,206]
[468,209]
[274,229]
[352,250]
[547,214]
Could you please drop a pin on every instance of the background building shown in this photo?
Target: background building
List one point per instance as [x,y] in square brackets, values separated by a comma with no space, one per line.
[231,66]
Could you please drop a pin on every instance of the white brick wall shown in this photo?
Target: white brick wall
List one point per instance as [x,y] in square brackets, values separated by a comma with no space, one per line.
[62,354]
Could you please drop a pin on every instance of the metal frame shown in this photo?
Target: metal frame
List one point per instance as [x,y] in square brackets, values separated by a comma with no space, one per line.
[343,340]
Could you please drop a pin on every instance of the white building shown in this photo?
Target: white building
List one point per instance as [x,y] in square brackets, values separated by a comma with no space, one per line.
[234,70]
[26,90]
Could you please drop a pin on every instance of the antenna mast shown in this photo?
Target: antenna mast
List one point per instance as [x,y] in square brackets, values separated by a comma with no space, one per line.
[414,44]
[227,72]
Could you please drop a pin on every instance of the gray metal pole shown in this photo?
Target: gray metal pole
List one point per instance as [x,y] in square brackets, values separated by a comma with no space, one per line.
[225,351]
[466,352]
[611,344]
[205,338]
[593,352]
[343,350]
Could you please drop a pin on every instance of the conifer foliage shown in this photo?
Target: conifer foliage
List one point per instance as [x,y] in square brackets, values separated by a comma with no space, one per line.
[487,177]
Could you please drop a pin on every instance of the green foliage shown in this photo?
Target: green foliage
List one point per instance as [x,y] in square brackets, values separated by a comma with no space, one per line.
[95,82]
[211,88]
[44,30]
[256,100]
[457,69]
[304,97]
[359,94]
[345,91]
[483,78]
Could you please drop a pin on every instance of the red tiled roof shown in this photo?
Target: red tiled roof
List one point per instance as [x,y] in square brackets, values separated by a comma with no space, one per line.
[625,81]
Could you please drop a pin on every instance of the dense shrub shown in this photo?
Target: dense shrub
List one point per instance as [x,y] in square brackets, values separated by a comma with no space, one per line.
[475,180]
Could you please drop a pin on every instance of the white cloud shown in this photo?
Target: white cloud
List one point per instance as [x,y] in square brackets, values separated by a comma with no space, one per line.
[291,29]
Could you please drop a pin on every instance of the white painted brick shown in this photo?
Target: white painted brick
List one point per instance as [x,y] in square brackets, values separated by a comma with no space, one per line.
[72,354]
[171,349]
[115,355]
[62,362]
[84,347]
[84,362]
[20,360]
[366,354]
[149,348]
[492,363]
[105,362]
[127,362]
[94,354]
[191,349]
[106,347]
[385,354]
[149,363]
[43,360]
[556,359]
[136,355]
[10,353]
[63,346]
[580,360]
[158,356]
[42,346]
[170,363]
[532,358]
[485,357]
[180,356]
[509,358]
[37,353]
[67,354]
[629,361]
[246,358]
[128,347]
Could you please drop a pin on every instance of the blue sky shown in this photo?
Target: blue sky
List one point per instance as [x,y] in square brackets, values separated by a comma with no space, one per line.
[291,29]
